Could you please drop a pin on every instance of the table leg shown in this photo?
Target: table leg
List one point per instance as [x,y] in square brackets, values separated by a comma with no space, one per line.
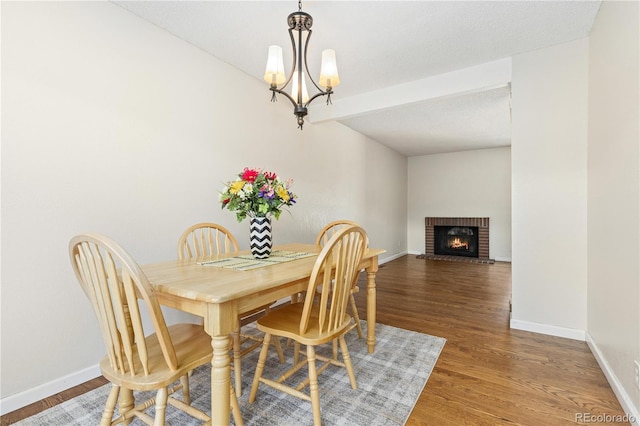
[220,380]
[371,306]
[219,324]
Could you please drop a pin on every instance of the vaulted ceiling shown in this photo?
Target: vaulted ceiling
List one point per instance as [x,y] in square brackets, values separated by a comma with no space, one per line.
[421,77]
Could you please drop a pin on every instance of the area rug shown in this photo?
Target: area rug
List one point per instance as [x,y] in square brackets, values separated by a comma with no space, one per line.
[389,382]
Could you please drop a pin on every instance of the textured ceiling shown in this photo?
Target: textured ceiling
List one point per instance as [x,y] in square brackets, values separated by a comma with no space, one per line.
[382,44]
[457,123]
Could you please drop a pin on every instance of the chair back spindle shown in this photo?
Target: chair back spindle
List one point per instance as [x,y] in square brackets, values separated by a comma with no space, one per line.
[205,240]
[114,283]
[334,274]
[331,228]
[323,237]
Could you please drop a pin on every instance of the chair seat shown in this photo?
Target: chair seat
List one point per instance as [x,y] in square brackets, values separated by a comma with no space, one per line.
[285,321]
[192,346]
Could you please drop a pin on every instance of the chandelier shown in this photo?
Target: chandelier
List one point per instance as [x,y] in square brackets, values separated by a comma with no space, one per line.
[300,32]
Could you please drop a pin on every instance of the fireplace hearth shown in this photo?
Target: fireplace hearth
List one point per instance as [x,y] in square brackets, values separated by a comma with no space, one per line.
[463,239]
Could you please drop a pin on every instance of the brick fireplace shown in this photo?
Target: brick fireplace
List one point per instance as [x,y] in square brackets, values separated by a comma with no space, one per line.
[480,243]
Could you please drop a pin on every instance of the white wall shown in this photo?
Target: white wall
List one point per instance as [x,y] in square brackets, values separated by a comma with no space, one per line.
[112,125]
[549,190]
[115,126]
[462,184]
[614,196]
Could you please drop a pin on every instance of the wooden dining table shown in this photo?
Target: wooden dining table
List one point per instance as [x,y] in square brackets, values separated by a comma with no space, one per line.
[219,295]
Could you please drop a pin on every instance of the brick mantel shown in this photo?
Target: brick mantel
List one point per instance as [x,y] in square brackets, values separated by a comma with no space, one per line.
[483,232]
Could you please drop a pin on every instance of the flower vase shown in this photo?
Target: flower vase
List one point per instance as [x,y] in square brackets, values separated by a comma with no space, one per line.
[260,237]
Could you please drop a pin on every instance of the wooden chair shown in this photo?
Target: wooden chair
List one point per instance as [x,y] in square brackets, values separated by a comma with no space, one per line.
[208,239]
[318,320]
[205,240]
[323,236]
[135,361]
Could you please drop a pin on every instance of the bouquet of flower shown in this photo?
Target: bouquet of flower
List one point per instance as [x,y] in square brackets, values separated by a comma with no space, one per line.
[257,193]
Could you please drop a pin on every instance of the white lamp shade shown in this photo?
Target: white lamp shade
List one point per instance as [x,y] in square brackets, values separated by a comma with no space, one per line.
[294,88]
[329,69]
[274,73]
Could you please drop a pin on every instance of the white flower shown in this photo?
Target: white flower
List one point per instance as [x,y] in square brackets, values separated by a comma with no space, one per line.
[247,191]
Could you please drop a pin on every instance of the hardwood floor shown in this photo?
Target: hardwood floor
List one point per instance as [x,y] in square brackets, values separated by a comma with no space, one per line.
[487,373]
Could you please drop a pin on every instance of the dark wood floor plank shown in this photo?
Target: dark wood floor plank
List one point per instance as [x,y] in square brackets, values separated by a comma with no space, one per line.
[51,401]
[487,373]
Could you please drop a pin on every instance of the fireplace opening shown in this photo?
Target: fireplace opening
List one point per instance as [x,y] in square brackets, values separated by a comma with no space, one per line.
[456,240]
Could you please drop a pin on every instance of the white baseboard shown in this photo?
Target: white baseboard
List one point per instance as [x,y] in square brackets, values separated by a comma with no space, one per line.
[393,257]
[633,412]
[550,330]
[29,396]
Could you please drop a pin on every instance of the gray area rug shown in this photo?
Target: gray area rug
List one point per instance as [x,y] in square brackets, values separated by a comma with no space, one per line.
[389,383]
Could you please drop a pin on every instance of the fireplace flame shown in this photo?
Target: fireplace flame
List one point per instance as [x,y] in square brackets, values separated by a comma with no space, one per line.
[457,243]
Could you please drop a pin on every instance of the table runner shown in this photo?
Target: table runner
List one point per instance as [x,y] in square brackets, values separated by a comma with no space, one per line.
[246,262]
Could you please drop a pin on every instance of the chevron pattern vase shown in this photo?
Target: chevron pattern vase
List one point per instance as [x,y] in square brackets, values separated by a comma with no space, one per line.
[260,237]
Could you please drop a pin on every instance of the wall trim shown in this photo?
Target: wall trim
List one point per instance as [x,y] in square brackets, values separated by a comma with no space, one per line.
[393,257]
[551,330]
[616,386]
[45,390]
